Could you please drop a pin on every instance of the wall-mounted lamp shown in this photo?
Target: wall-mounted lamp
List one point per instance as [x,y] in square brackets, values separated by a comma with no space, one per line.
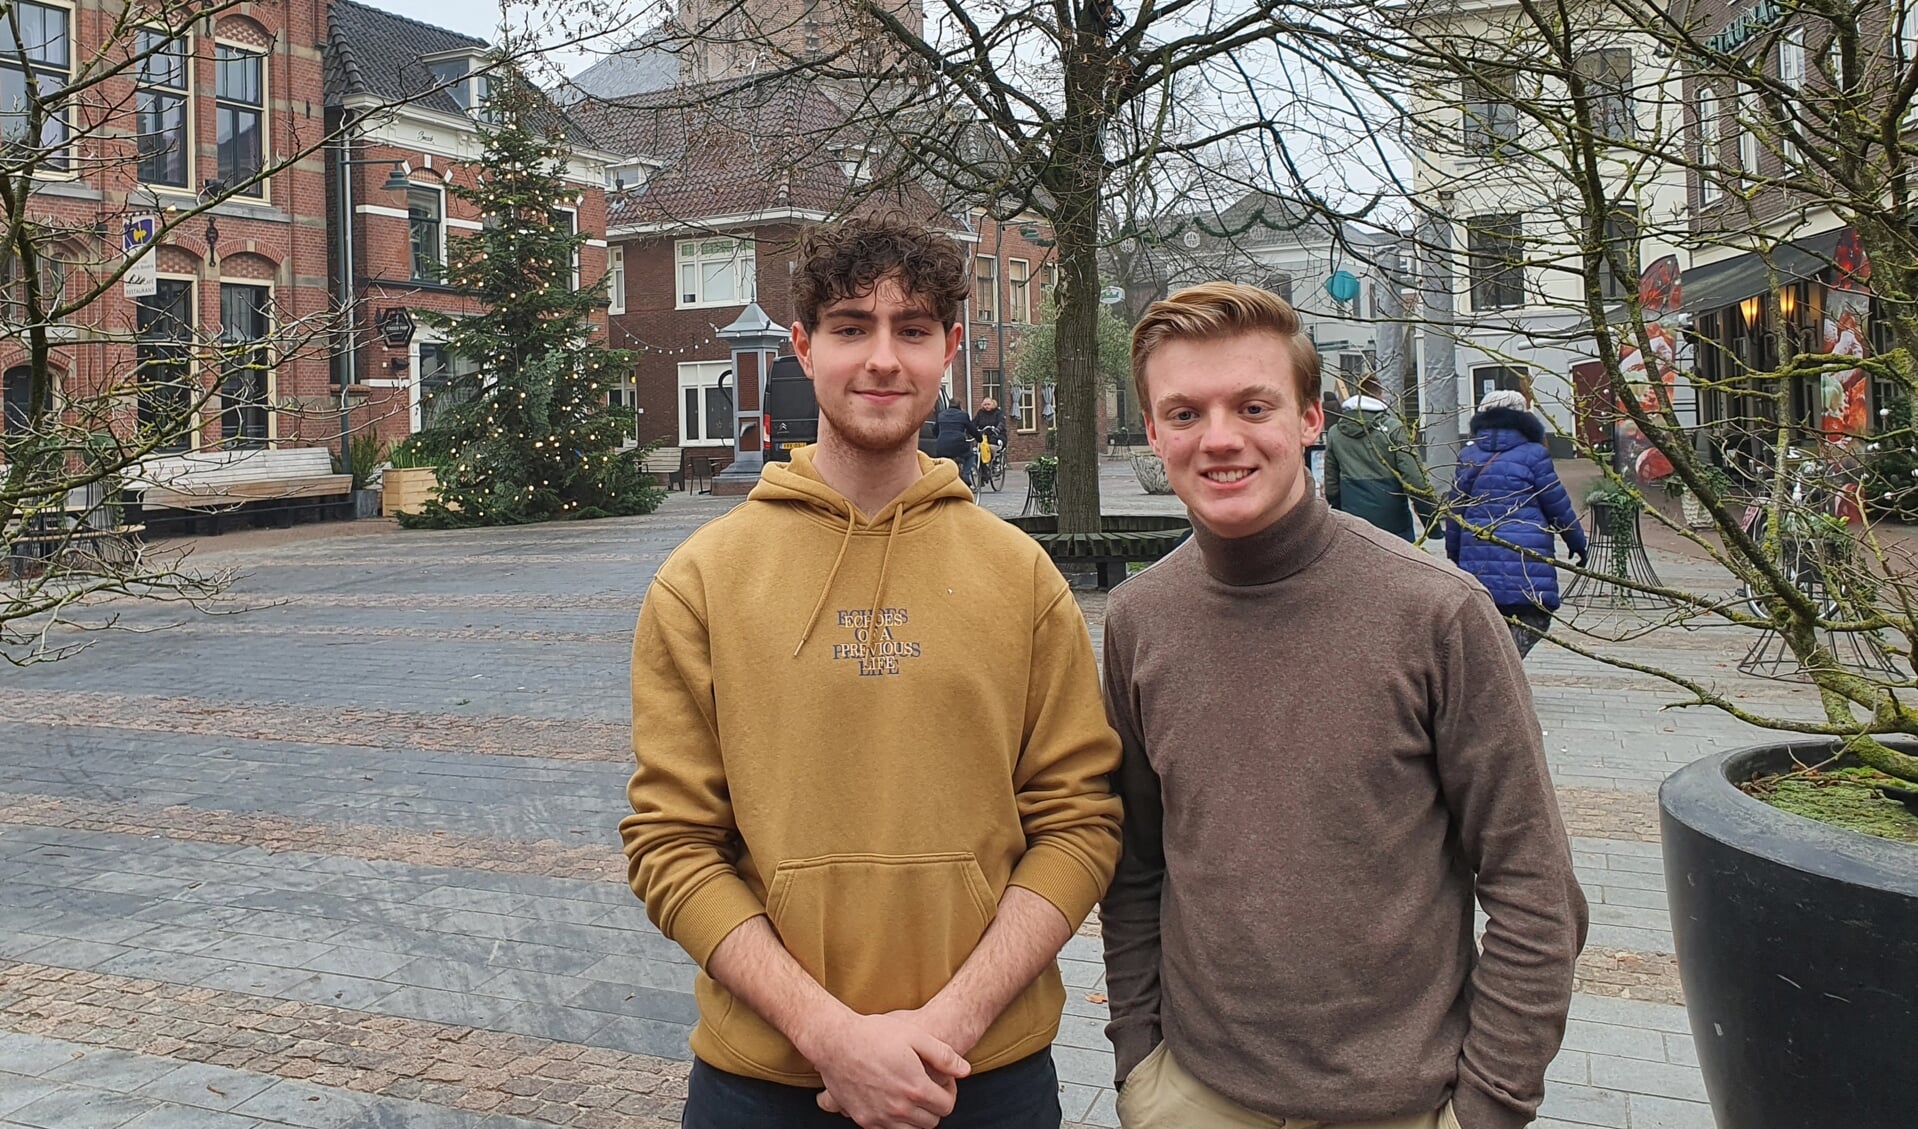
[1749,307]
[978,344]
[1787,302]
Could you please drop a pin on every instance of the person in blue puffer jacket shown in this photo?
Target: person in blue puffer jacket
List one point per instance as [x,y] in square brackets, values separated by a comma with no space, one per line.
[1506,497]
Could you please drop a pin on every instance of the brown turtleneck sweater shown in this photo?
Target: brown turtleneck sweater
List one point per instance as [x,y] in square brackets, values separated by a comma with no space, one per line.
[1329,749]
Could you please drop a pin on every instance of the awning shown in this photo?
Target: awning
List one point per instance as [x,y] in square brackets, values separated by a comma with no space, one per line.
[1720,284]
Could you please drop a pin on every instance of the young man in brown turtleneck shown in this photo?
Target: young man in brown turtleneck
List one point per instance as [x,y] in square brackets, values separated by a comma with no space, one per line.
[1329,753]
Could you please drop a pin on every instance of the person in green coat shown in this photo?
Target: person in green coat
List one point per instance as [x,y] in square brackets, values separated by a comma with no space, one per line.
[1371,470]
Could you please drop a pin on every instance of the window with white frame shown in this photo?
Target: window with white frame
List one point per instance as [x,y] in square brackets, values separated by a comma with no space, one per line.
[1746,123]
[1026,409]
[715,272]
[705,403]
[240,117]
[1490,103]
[247,365]
[163,358]
[1495,246]
[1708,111]
[464,79]
[160,108]
[1607,74]
[1791,57]
[567,220]
[1019,283]
[985,290]
[426,219]
[1907,35]
[625,395]
[615,280]
[35,70]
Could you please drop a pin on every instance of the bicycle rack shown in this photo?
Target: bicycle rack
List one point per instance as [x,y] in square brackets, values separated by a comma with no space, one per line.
[1616,555]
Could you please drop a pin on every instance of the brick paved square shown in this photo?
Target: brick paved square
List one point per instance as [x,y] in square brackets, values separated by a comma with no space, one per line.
[368,851]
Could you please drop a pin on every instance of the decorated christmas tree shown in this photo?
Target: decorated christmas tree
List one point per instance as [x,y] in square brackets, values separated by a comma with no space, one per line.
[529,436]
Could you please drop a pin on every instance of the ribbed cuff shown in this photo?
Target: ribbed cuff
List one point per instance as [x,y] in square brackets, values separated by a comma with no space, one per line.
[709,914]
[1055,875]
[1476,1109]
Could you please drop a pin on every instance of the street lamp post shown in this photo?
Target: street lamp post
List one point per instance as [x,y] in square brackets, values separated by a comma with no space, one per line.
[396,181]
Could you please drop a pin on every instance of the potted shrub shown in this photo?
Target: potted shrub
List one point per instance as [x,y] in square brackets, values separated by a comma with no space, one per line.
[364,456]
[409,481]
[1689,506]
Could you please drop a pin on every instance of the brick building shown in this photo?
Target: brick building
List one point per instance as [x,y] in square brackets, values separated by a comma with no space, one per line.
[712,188]
[229,106]
[404,96]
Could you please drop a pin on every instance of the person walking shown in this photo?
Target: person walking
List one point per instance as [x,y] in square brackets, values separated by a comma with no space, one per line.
[1371,471]
[872,844]
[1506,510]
[1289,936]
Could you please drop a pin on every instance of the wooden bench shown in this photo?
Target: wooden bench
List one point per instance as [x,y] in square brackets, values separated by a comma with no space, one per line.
[84,534]
[285,480]
[667,463]
[1124,539]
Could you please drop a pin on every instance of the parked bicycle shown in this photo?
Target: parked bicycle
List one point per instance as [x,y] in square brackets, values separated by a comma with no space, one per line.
[1812,529]
[993,459]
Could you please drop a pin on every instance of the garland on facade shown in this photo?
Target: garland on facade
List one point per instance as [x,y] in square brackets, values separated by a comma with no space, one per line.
[530,436]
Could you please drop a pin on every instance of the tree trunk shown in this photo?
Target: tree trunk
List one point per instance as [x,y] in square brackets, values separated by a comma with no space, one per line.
[1077,182]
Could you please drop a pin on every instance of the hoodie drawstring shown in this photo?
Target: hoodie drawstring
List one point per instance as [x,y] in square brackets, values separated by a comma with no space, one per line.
[885,562]
[812,618]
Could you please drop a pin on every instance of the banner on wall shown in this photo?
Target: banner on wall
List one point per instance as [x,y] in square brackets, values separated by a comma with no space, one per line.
[1653,379]
[1843,414]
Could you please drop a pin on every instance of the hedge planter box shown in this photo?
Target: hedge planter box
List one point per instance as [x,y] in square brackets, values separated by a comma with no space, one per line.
[1798,948]
[406,490]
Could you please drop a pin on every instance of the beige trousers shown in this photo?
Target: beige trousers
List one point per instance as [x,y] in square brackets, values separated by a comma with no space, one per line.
[1160,1094]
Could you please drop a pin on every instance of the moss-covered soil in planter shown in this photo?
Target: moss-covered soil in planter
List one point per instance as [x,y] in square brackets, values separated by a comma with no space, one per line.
[1844,797]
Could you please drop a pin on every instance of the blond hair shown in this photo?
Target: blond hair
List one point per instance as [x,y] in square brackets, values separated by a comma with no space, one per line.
[1216,310]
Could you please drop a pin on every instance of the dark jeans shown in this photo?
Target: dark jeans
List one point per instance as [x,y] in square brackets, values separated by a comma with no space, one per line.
[1022,1095]
[1535,620]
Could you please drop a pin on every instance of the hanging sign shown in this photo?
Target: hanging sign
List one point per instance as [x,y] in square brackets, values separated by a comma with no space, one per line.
[137,237]
[396,326]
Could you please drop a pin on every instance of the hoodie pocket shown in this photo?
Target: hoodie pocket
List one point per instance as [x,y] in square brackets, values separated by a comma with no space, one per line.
[879,932]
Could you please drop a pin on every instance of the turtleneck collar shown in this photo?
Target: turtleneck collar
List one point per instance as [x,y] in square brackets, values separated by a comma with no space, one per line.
[1273,553]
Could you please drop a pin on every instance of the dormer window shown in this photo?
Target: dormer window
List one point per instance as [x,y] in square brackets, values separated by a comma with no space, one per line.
[462,78]
[855,164]
[627,174]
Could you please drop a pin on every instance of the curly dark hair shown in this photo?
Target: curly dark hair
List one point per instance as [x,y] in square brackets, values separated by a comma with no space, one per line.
[848,259]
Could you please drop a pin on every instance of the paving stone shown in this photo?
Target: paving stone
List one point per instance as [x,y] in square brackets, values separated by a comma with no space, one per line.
[104,1068]
[32,1055]
[187,1117]
[17,1090]
[1650,1112]
[1657,1079]
[75,1107]
[205,1086]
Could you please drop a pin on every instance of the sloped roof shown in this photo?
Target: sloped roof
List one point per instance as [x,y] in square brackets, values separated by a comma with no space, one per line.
[728,149]
[641,67]
[378,53]
[375,52]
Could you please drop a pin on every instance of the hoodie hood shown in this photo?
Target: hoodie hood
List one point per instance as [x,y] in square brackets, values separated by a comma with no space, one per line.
[798,483]
[1501,429]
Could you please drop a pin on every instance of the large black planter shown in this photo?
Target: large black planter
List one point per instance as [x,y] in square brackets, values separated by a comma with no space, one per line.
[1798,947]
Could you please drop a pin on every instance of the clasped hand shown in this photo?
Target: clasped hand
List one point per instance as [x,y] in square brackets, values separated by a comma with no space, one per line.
[891,1071]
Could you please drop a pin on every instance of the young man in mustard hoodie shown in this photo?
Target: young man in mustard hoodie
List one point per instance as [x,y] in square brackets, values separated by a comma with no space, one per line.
[871,796]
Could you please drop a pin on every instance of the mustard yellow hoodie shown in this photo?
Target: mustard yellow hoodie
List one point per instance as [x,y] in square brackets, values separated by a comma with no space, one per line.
[865,730]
